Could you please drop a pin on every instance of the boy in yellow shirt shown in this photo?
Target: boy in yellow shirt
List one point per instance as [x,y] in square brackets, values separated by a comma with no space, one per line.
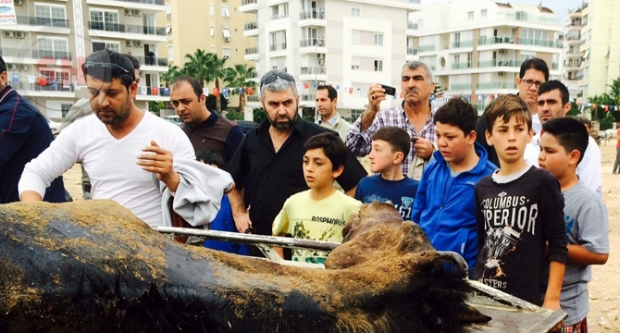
[320,212]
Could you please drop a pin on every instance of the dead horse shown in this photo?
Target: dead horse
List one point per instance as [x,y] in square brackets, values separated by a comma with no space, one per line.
[93,267]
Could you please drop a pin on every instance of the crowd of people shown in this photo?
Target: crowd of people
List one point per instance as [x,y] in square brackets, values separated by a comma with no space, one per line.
[516,192]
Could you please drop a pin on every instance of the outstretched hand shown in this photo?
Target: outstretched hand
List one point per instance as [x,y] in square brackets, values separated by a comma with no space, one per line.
[159,160]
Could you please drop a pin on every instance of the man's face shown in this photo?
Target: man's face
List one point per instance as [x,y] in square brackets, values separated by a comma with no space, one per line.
[550,106]
[415,85]
[324,106]
[110,101]
[528,85]
[382,156]
[281,108]
[3,80]
[453,144]
[187,105]
[509,138]
[553,157]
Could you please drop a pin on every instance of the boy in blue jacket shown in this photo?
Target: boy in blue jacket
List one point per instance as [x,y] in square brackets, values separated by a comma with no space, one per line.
[444,206]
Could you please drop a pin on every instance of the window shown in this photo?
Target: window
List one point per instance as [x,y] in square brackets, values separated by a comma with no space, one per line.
[225,12]
[226,52]
[355,12]
[379,39]
[226,33]
[212,48]
[212,9]
[53,47]
[170,53]
[483,13]
[212,30]
[378,65]
[355,64]
[104,20]
[52,15]
[169,11]
[356,37]
[64,108]
[470,15]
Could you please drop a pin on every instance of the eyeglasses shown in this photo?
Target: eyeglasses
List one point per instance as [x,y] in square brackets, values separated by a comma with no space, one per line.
[529,83]
[272,76]
[107,65]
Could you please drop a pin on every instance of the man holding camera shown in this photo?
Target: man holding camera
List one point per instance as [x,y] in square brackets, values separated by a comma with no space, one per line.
[414,115]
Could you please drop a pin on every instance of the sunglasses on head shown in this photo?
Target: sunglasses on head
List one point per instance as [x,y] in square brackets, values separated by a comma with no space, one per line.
[107,65]
[270,77]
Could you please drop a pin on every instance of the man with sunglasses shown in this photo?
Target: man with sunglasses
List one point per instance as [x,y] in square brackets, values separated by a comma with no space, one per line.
[533,73]
[271,155]
[24,134]
[120,146]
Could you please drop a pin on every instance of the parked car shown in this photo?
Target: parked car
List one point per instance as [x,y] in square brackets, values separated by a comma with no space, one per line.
[246,125]
[174,119]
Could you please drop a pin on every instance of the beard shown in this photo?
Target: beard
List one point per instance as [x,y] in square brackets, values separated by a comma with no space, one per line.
[112,116]
[283,123]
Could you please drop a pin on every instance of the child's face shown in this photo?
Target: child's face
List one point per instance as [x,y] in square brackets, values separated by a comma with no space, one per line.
[554,157]
[318,169]
[382,157]
[453,144]
[509,138]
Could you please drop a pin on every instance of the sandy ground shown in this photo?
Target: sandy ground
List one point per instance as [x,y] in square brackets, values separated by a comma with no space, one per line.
[604,288]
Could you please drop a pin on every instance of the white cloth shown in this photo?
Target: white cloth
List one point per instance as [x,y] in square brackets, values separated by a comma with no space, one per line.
[199,194]
[536,124]
[110,163]
[532,150]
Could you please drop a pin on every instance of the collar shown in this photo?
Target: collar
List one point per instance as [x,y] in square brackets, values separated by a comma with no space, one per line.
[213,117]
[5,92]
[332,121]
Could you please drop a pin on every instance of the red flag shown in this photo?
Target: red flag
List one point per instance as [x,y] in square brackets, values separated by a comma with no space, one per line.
[606,108]
[593,106]
[306,85]
[350,90]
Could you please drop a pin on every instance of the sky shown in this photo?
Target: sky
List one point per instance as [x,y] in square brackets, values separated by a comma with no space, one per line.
[559,7]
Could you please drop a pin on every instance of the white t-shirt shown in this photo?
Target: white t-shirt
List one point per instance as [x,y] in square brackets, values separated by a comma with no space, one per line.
[111,163]
[536,124]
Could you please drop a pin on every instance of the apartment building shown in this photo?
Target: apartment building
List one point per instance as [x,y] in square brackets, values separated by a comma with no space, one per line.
[599,47]
[349,44]
[52,38]
[215,26]
[475,47]
[572,75]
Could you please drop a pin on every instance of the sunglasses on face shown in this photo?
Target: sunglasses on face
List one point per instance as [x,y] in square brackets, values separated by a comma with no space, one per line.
[270,77]
[88,65]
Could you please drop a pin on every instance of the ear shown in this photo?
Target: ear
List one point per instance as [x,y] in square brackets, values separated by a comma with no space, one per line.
[203,99]
[336,173]
[335,102]
[398,158]
[518,81]
[530,135]
[573,157]
[566,108]
[133,90]
[432,87]
[471,137]
[489,138]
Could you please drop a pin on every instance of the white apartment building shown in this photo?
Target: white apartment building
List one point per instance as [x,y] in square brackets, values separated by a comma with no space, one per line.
[51,39]
[572,75]
[599,47]
[475,47]
[349,44]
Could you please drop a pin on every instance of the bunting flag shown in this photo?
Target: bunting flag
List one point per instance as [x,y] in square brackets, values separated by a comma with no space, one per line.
[338,87]
[205,91]
[593,106]
[606,108]
[350,90]
[15,77]
[306,85]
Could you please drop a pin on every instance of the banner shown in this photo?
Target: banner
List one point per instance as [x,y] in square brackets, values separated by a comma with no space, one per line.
[7,13]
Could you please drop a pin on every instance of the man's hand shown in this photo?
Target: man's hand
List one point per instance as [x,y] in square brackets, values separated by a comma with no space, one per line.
[423,148]
[376,94]
[158,160]
[243,223]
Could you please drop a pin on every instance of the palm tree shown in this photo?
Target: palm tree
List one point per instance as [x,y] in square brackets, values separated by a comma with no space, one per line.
[196,66]
[172,73]
[240,76]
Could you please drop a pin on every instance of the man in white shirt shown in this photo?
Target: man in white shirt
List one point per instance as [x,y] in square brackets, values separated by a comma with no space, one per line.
[553,102]
[120,146]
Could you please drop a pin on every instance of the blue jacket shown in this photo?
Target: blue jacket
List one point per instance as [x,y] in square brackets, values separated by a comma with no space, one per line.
[445,206]
[24,134]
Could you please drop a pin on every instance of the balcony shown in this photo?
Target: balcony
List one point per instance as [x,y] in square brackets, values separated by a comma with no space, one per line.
[38,24]
[251,53]
[462,65]
[427,48]
[533,18]
[499,63]
[253,98]
[147,5]
[412,50]
[152,63]
[146,93]
[497,85]
[33,54]
[315,14]
[250,29]
[52,89]
[127,31]
[320,42]
[516,40]
[312,70]
[277,47]
[248,6]
[459,44]
[460,87]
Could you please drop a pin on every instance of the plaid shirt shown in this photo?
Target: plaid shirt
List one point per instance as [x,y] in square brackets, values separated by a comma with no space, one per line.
[360,142]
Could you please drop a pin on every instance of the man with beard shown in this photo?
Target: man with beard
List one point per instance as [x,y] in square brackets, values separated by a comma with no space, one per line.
[24,134]
[271,156]
[414,115]
[120,146]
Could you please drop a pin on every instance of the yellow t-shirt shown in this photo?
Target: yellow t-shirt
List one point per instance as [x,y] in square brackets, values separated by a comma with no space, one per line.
[321,220]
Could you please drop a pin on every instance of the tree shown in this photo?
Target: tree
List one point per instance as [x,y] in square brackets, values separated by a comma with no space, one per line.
[196,66]
[172,73]
[259,115]
[240,76]
[574,109]
[234,115]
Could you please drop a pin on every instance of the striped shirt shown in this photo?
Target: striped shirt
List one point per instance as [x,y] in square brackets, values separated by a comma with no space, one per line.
[360,142]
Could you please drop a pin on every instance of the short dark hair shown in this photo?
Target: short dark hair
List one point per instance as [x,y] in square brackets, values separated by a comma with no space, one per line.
[331,92]
[458,112]
[211,157]
[106,65]
[2,65]
[505,106]
[585,121]
[553,85]
[332,146]
[134,61]
[396,137]
[537,64]
[570,134]
[196,86]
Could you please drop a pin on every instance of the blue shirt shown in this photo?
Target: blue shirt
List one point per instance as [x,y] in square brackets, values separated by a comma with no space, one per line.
[399,192]
[224,222]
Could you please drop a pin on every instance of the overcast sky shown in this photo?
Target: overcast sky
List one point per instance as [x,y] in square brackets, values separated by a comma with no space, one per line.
[559,7]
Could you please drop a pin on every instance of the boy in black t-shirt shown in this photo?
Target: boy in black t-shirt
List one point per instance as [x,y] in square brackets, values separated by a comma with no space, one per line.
[519,211]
